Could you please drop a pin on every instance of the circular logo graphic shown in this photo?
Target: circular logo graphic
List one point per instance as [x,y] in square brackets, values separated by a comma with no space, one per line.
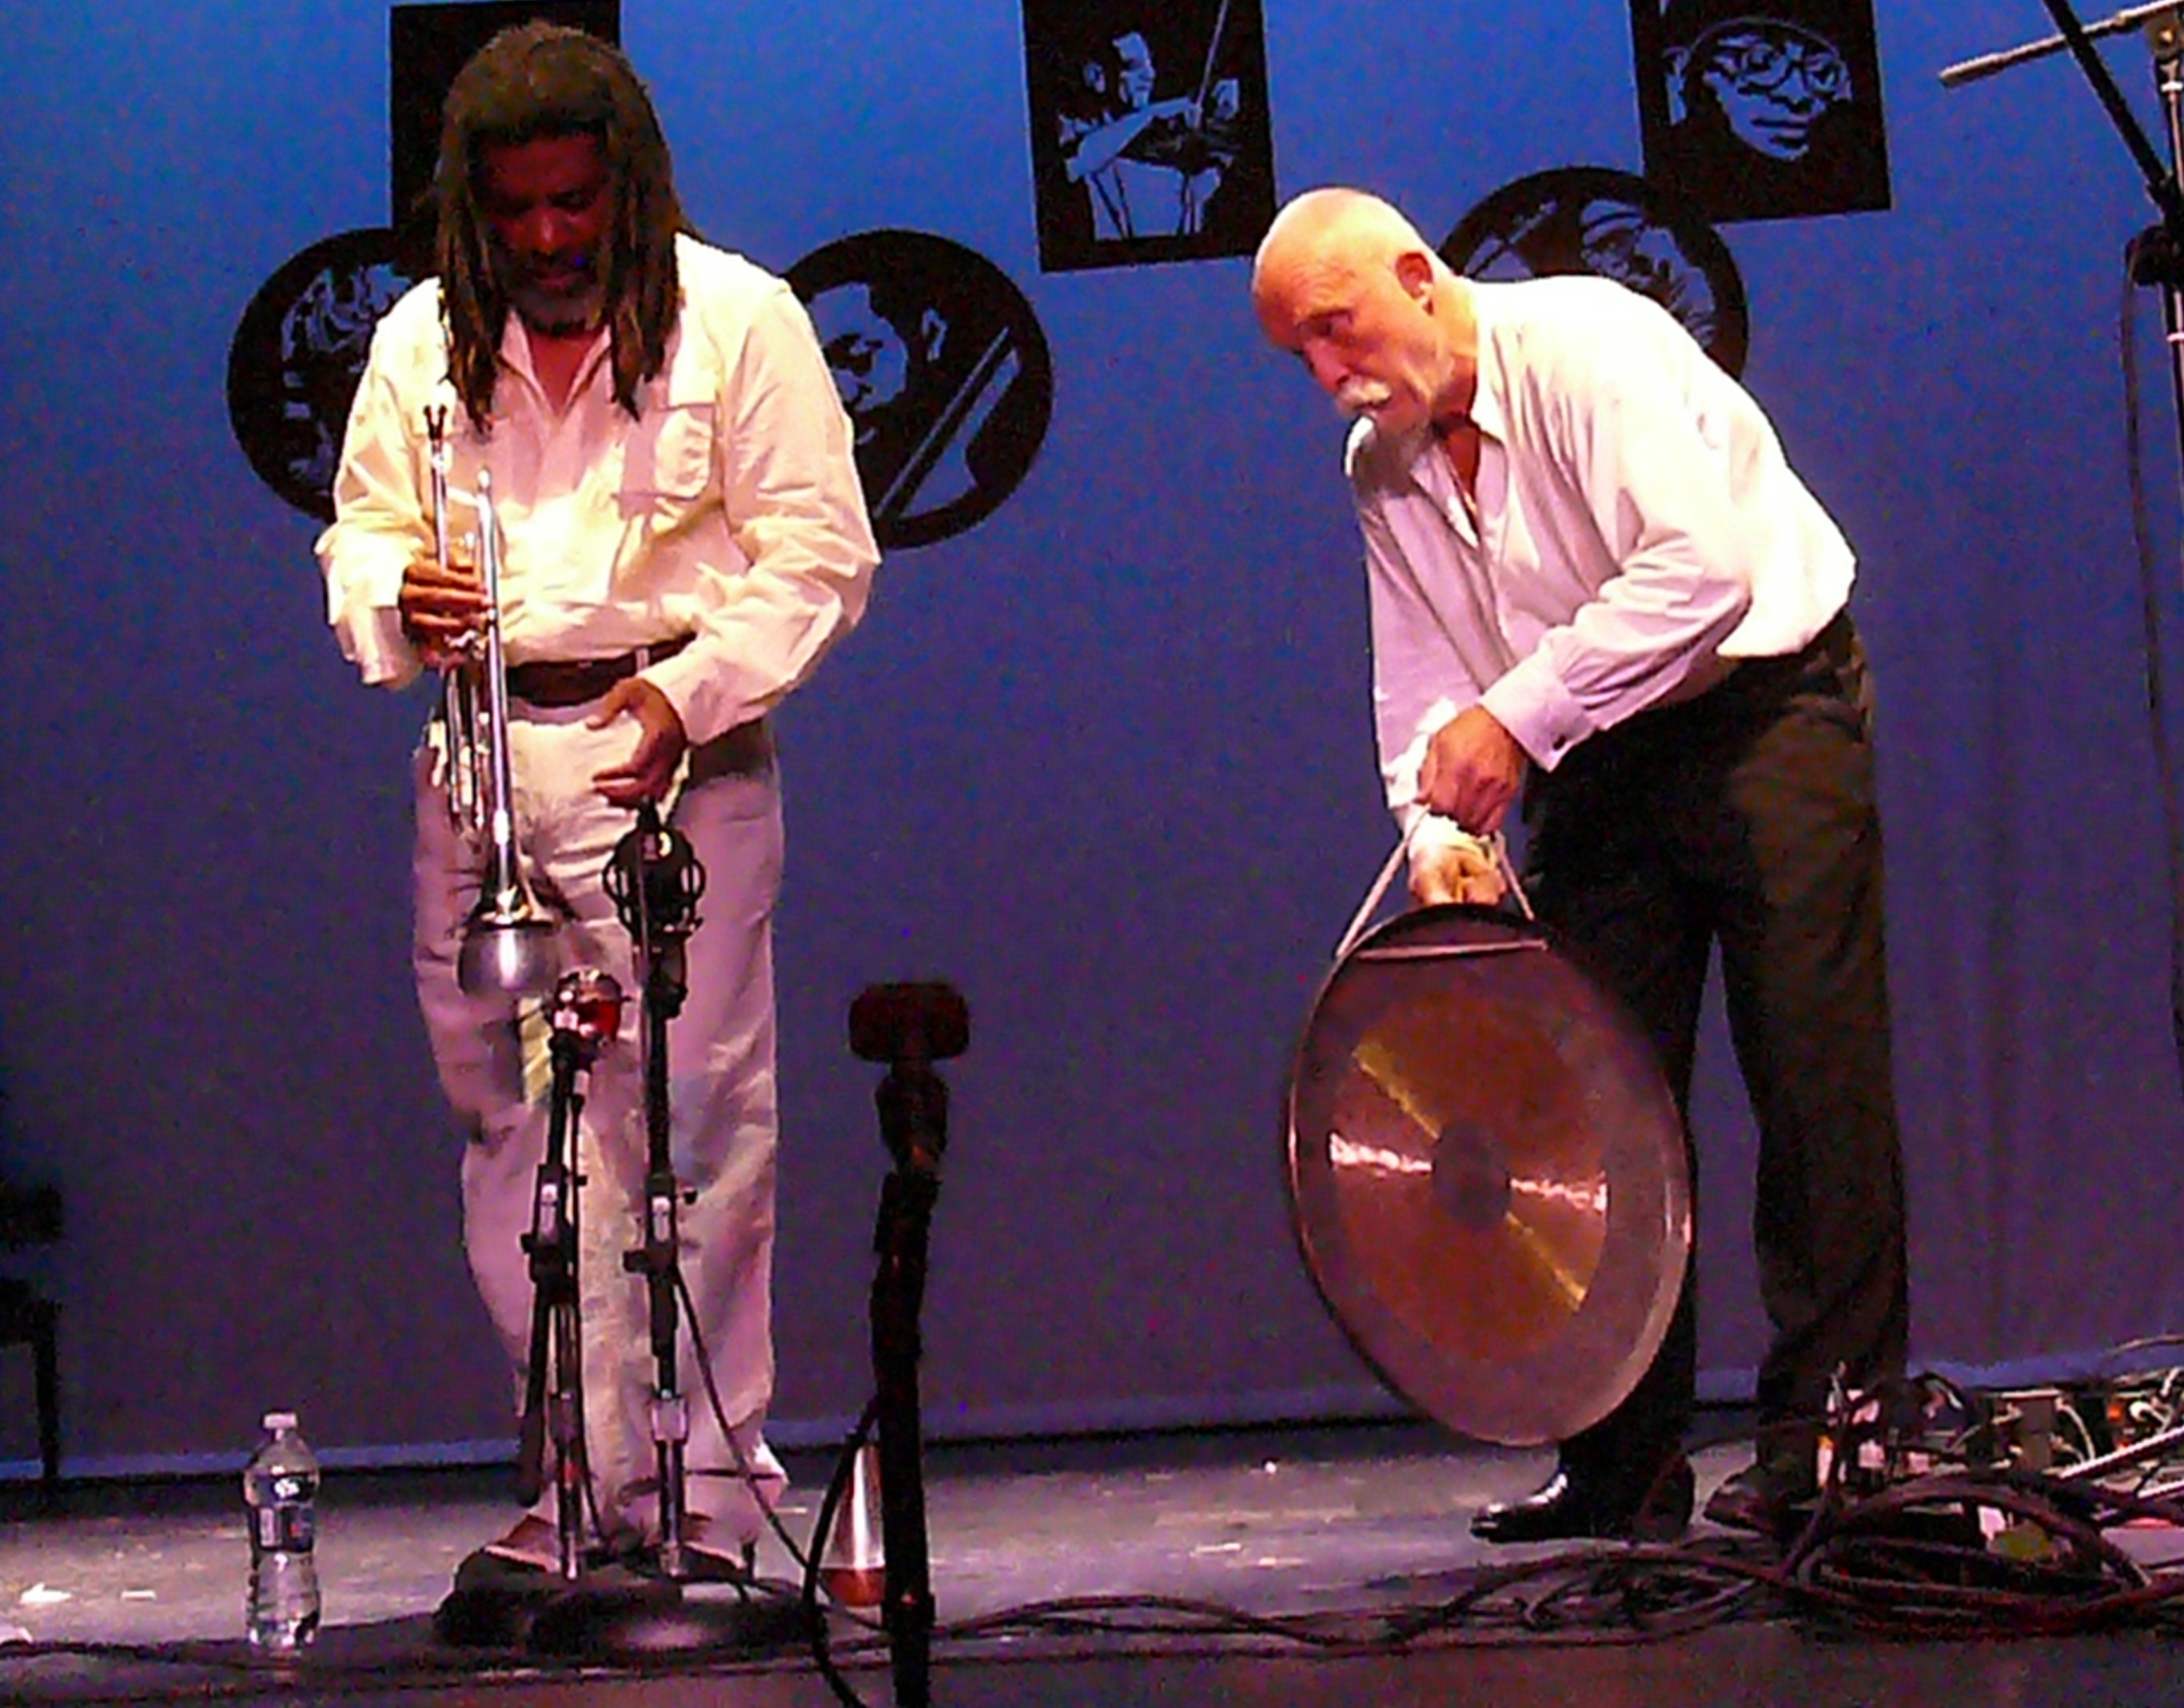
[943,368]
[1591,220]
[297,355]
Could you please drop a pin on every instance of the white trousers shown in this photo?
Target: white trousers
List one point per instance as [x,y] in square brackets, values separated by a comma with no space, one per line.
[721,1094]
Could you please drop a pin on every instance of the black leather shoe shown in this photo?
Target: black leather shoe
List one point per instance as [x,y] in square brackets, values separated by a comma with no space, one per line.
[1774,1496]
[1570,1506]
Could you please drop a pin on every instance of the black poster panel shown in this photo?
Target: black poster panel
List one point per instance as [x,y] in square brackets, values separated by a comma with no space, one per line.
[944,370]
[1762,110]
[1150,139]
[1592,220]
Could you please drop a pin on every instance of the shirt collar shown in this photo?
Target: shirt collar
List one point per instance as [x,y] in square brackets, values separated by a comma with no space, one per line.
[1486,411]
[516,351]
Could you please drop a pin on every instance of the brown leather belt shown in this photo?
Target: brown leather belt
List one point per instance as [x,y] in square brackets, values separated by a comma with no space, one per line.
[571,681]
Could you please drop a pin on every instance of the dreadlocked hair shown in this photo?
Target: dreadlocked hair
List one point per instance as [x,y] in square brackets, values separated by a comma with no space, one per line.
[541,80]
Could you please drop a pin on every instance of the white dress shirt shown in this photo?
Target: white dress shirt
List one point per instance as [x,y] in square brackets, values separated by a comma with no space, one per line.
[729,511]
[1635,530]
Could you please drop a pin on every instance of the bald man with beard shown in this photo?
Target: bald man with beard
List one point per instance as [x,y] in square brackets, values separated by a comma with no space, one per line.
[1600,598]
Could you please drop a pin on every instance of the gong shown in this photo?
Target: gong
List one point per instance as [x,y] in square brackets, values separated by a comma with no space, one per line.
[1488,1175]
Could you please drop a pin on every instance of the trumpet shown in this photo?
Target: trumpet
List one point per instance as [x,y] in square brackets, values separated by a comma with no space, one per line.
[459,681]
[507,946]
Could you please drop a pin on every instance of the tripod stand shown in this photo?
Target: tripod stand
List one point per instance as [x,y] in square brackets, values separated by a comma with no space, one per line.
[490,1607]
[654,879]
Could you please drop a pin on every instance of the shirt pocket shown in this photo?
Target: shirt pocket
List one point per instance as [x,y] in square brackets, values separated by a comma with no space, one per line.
[667,463]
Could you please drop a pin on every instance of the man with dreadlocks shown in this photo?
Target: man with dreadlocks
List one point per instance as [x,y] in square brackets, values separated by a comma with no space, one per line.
[683,537]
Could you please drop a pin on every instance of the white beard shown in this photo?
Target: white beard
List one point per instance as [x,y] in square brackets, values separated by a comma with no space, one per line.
[1356,397]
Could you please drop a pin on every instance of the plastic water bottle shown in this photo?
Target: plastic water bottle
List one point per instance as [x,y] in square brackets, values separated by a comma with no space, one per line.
[281,1488]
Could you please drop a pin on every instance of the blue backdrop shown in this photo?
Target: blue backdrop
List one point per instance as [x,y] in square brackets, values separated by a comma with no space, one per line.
[1103,762]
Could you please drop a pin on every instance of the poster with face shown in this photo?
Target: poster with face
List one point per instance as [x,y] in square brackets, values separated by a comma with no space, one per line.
[1148,133]
[944,370]
[1762,110]
[1591,220]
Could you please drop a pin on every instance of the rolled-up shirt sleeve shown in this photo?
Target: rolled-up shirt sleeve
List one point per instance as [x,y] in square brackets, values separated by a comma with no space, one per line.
[381,518]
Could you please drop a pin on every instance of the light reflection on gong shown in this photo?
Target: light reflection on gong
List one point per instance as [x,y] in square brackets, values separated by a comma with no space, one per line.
[1469,1186]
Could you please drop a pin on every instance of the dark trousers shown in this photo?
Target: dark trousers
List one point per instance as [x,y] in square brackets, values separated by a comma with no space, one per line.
[1746,818]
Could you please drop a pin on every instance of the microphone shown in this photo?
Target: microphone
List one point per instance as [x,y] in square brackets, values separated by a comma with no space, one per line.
[585,1014]
[654,879]
[918,1023]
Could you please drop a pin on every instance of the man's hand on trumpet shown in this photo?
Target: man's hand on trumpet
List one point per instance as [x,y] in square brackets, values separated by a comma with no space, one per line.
[645,775]
[442,611]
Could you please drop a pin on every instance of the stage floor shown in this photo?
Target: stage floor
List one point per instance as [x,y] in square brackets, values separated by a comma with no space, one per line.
[1259,1567]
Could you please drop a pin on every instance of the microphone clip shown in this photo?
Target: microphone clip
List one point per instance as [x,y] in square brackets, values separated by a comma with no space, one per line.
[654,879]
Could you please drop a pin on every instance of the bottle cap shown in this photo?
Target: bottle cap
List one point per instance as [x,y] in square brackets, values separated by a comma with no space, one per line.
[278,1420]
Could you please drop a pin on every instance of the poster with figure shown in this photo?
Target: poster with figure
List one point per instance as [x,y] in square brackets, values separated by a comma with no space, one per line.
[944,370]
[1150,139]
[1762,110]
[1593,219]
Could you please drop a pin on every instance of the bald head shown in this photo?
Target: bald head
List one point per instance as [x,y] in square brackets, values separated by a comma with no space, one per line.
[1334,230]
[1344,281]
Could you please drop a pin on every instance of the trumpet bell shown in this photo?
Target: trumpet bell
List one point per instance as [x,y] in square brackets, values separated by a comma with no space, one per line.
[507,952]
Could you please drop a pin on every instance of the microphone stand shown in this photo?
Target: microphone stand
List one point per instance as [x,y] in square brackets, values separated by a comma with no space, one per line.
[910,1026]
[492,1605]
[2156,255]
[1986,64]
[586,1012]
[654,880]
